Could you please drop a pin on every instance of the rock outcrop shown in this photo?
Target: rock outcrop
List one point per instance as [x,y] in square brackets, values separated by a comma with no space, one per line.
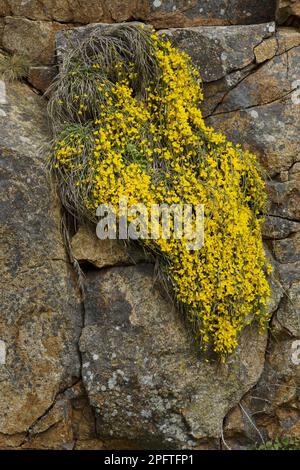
[117,368]
[41,315]
[157,12]
[143,374]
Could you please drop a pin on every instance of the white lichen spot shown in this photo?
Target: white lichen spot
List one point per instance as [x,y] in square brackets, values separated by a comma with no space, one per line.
[103,388]
[3,98]
[2,352]
[254,114]
[269,138]
[200,10]
[112,382]
[295,96]
[223,56]
[2,113]
[147,380]
[146,414]
[174,8]
[271,28]
[86,364]
[157,3]
[95,357]
[222,12]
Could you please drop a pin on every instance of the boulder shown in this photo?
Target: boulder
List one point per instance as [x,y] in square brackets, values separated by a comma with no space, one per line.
[288,12]
[41,313]
[32,39]
[262,112]
[138,379]
[144,375]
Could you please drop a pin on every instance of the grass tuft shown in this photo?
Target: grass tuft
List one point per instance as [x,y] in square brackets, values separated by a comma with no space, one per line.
[95,59]
[14,67]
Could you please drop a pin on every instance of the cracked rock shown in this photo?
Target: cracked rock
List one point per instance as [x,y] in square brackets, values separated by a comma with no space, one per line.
[87,248]
[41,315]
[143,375]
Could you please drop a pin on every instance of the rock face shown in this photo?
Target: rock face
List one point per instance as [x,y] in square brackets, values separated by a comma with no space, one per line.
[32,39]
[87,248]
[221,56]
[262,109]
[28,28]
[117,368]
[41,77]
[142,372]
[214,50]
[289,12]
[41,315]
[157,12]
[267,102]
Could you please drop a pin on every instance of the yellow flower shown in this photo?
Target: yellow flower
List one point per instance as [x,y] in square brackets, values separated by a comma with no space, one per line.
[159,150]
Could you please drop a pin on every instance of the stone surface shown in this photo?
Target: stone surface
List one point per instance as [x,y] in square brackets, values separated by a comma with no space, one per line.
[288,314]
[157,12]
[258,76]
[216,92]
[40,312]
[41,77]
[33,39]
[287,39]
[266,50]
[148,385]
[278,228]
[289,12]
[87,248]
[214,50]
[262,112]
[288,249]
[271,409]
[221,63]
[144,376]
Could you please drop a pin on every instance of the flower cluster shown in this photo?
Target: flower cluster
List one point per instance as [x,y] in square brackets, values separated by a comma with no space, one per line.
[154,147]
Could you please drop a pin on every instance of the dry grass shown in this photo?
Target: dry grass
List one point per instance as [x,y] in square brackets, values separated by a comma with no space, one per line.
[14,67]
[79,77]
[85,66]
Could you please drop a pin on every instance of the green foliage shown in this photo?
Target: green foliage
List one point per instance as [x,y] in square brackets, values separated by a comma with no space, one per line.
[126,119]
[285,443]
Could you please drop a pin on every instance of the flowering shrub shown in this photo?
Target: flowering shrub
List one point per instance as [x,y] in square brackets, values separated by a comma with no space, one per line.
[150,144]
